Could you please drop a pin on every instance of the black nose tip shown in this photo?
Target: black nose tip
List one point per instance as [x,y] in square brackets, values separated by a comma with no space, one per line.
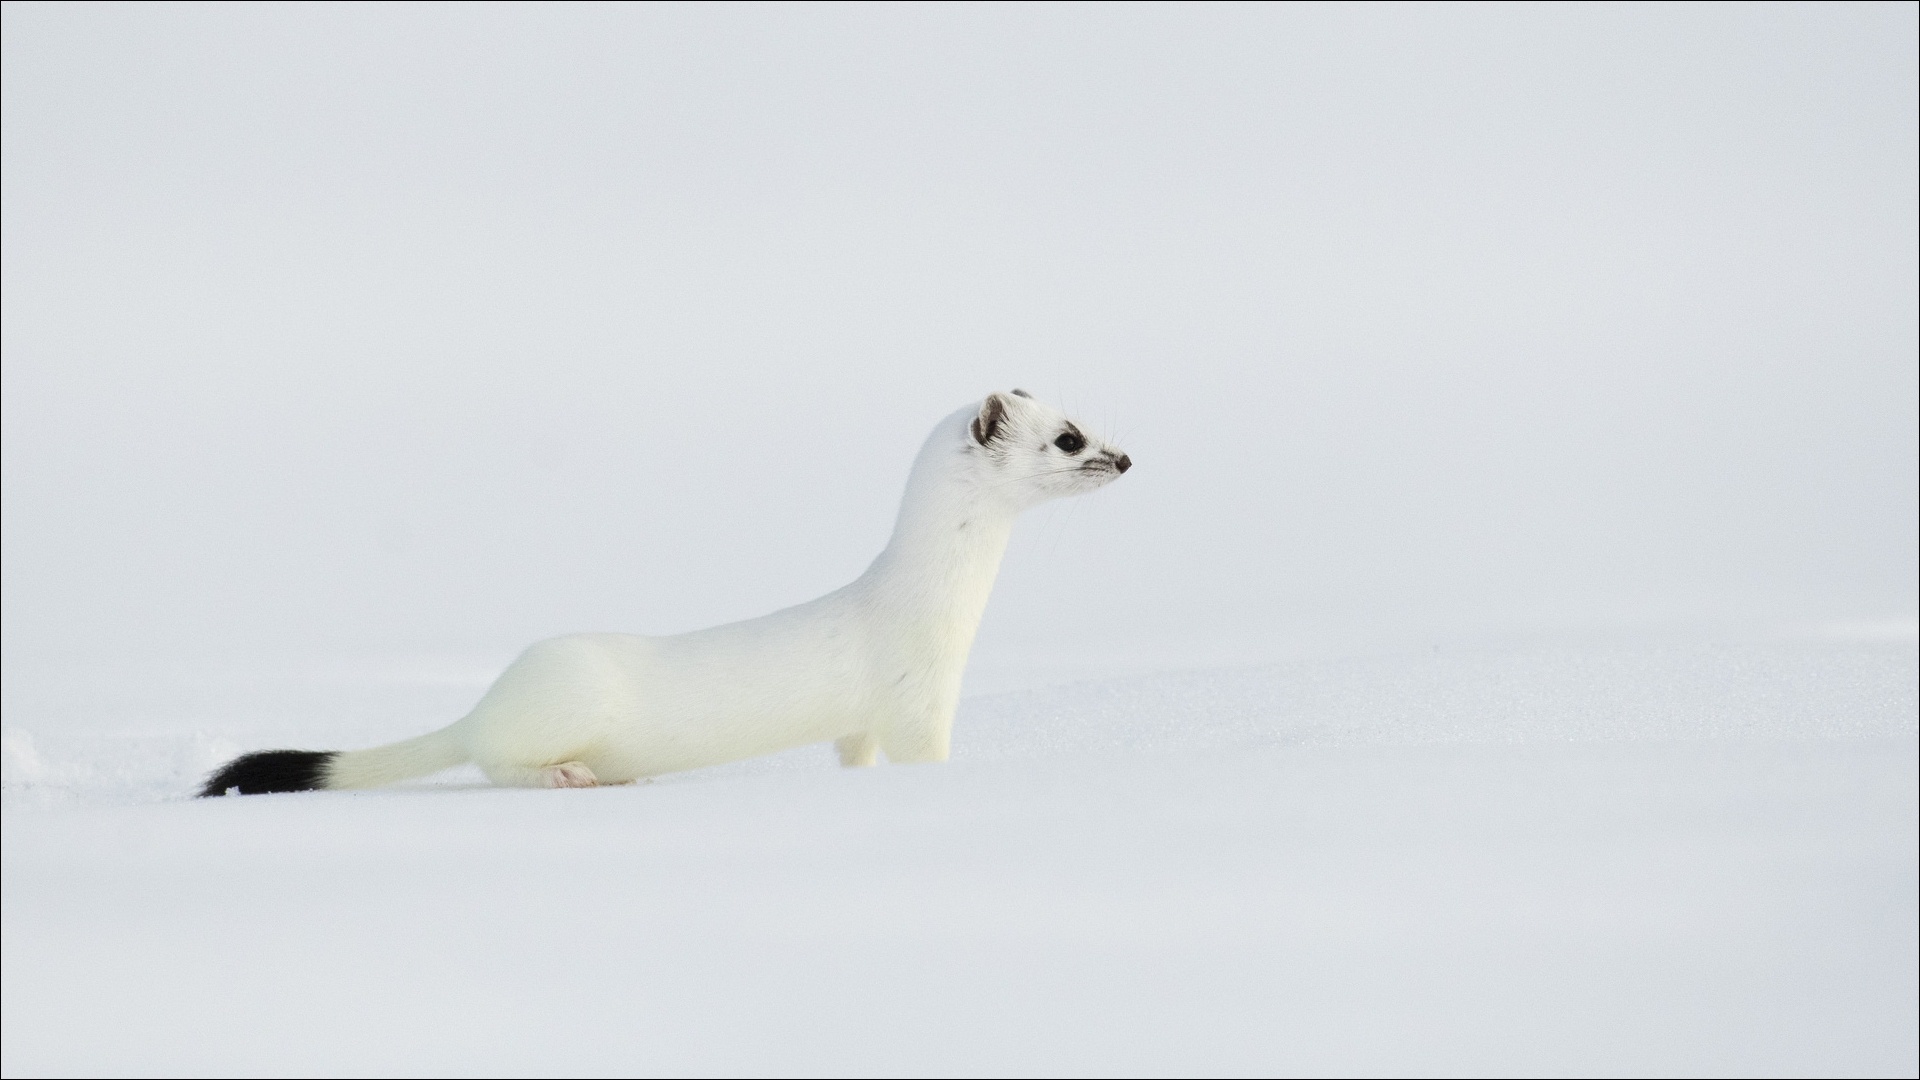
[1123,463]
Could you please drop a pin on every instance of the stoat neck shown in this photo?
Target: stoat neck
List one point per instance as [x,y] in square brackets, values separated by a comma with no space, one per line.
[938,569]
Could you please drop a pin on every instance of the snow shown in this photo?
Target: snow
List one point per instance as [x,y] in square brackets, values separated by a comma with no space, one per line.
[1512,391]
[1631,854]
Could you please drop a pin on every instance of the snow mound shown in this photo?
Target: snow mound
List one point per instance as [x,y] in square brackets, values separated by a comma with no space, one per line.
[1624,858]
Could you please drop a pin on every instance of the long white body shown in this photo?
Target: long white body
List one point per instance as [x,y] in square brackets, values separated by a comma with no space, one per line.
[874,666]
[854,665]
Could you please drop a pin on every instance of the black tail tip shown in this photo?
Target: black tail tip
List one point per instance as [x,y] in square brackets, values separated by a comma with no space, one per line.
[270,771]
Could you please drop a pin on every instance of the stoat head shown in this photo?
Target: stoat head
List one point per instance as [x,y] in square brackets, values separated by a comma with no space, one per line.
[1028,452]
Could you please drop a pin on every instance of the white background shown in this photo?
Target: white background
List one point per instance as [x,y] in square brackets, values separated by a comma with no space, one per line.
[354,332]
[1500,661]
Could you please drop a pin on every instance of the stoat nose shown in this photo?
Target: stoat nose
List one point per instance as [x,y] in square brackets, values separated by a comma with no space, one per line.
[1123,463]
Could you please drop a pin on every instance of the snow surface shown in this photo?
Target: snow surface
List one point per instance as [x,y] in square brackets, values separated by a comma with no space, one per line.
[1629,856]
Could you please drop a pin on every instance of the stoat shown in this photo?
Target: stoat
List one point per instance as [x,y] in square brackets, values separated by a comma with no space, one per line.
[874,666]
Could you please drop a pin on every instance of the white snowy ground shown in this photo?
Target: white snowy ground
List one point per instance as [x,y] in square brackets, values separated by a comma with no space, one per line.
[1642,856]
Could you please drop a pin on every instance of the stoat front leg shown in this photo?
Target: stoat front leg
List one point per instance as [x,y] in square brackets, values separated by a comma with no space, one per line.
[857,751]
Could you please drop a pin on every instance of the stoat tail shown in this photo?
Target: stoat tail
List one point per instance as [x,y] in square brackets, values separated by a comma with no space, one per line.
[335,770]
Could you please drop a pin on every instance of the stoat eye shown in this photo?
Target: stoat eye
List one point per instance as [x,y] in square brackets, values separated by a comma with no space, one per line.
[1070,442]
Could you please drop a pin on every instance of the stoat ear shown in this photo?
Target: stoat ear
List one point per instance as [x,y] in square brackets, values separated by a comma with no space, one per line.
[987,424]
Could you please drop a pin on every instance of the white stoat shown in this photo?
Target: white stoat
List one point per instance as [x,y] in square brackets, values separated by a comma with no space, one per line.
[873,666]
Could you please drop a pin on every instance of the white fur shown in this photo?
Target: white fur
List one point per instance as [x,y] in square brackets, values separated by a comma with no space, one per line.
[872,666]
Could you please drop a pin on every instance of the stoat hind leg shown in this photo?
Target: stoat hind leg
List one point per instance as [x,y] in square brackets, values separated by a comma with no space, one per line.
[857,751]
[567,774]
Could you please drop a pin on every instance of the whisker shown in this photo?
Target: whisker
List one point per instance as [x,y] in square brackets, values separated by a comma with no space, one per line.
[1036,475]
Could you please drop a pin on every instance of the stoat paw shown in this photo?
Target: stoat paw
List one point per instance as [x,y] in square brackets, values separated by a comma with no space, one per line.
[569,774]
